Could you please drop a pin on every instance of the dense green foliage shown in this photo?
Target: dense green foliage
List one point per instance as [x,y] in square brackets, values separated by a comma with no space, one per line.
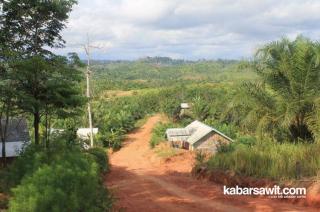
[281,108]
[75,176]
[283,105]
[262,115]
[272,112]
[270,160]
[101,158]
[42,86]
[45,84]
[117,116]
[160,72]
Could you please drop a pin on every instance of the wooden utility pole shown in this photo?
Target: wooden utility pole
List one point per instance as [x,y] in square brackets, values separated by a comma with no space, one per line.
[87,48]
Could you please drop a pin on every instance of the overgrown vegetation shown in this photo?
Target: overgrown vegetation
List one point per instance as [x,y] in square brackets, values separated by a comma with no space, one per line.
[53,173]
[283,104]
[59,179]
[270,106]
[165,72]
[282,111]
[117,116]
[268,159]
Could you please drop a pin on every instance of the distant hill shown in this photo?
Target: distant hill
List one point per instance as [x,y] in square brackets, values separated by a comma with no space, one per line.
[153,72]
[162,61]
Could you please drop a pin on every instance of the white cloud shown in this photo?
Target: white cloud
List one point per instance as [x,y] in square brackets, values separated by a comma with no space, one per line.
[191,29]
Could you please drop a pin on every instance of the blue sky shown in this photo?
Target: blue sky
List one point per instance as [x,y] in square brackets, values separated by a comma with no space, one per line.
[187,29]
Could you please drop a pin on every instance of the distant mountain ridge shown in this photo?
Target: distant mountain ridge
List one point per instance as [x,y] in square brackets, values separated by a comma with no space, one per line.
[163,61]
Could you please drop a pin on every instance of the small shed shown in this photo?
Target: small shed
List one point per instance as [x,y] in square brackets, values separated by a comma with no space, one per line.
[177,136]
[184,107]
[205,138]
[55,131]
[84,133]
[197,136]
[17,137]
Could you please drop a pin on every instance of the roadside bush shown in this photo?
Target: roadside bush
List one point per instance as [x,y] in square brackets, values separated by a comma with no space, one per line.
[227,129]
[244,141]
[247,140]
[224,147]
[62,178]
[72,183]
[101,158]
[111,139]
[27,163]
[200,158]
[270,160]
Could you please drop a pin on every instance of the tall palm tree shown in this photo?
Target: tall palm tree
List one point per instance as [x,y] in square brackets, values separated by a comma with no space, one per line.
[286,98]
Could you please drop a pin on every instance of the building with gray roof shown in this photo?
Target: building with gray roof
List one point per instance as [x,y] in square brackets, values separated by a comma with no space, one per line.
[17,136]
[197,135]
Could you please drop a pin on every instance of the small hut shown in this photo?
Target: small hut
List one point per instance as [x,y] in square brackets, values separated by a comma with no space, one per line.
[197,136]
[17,137]
[84,133]
[184,107]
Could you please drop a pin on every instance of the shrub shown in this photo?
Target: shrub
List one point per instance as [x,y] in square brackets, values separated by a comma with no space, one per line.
[111,139]
[247,140]
[27,163]
[72,183]
[224,147]
[269,160]
[228,129]
[200,158]
[61,178]
[101,158]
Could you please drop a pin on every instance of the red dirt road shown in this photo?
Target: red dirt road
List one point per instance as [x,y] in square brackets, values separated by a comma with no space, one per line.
[141,181]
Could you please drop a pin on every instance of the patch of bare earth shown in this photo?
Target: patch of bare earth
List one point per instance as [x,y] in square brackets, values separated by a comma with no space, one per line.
[143,181]
[117,93]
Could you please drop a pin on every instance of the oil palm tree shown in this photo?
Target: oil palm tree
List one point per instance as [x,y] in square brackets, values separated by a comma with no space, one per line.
[287,98]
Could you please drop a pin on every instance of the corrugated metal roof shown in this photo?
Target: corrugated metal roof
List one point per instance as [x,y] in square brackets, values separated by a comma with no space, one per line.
[17,136]
[177,132]
[184,106]
[84,133]
[177,138]
[199,130]
[199,133]
[192,133]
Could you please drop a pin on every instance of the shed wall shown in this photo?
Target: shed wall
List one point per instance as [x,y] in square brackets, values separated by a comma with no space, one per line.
[210,142]
[13,149]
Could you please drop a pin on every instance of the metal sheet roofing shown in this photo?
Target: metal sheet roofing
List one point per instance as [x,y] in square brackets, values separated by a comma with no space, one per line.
[198,134]
[200,130]
[192,133]
[17,136]
[17,130]
[177,132]
[184,106]
[84,133]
